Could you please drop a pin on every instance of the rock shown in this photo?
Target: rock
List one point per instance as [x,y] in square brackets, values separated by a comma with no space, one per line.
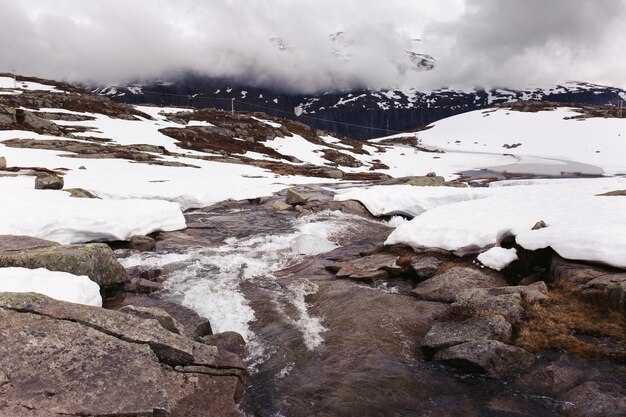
[48,182]
[229,341]
[294,197]
[332,173]
[144,286]
[80,193]
[615,193]
[479,299]
[539,225]
[596,399]
[369,268]
[425,266]
[450,333]
[165,320]
[431,174]
[552,380]
[354,207]
[446,286]
[67,359]
[82,167]
[38,124]
[142,243]
[427,181]
[280,206]
[96,260]
[7,115]
[485,356]
[3,162]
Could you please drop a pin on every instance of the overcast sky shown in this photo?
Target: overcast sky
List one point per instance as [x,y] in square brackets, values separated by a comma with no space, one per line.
[490,43]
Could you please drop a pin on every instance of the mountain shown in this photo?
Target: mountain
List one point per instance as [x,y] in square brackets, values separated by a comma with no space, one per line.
[358,114]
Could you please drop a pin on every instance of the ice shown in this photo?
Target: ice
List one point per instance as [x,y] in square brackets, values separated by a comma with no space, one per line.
[498,258]
[58,285]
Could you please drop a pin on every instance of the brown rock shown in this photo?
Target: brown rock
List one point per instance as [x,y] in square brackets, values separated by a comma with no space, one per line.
[142,243]
[447,286]
[48,182]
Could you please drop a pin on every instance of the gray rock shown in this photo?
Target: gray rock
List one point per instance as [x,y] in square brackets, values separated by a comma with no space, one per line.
[38,124]
[7,115]
[485,356]
[332,173]
[427,181]
[280,206]
[425,266]
[596,399]
[48,182]
[552,380]
[228,341]
[479,299]
[446,286]
[3,162]
[142,243]
[445,334]
[615,193]
[165,320]
[295,197]
[144,286]
[80,193]
[369,268]
[96,260]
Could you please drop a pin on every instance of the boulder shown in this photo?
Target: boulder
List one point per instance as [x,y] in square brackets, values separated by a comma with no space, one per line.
[37,123]
[450,333]
[59,358]
[425,266]
[280,206]
[229,341]
[48,182]
[446,286]
[96,260]
[295,197]
[142,243]
[369,268]
[332,173]
[596,399]
[80,193]
[3,162]
[7,115]
[481,299]
[551,380]
[165,320]
[485,356]
[426,181]
[615,193]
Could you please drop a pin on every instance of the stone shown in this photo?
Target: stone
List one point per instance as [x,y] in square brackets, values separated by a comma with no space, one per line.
[446,286]
[3,162]
[96,260]
[369,268]
[295,197]
[427,181]
[7,115]
[37,123]
[553,379]
[48,182]
[280,206]
[165,320]
[332,173]
[80,193]
[539,225]
[481,300]
[450,333]
[485,356]
[142,243]
[596,399]
[431,174]
[615,193]
[229,341]
[144,286]
[425,266]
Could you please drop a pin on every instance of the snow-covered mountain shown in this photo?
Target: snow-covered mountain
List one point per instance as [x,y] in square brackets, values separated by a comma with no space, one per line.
[359,114]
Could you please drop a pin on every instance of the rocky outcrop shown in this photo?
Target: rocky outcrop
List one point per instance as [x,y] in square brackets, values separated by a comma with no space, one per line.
[446,286]
[368,268]
[91,361]
[485,356]
[163,317]
[96,260]
[49,182]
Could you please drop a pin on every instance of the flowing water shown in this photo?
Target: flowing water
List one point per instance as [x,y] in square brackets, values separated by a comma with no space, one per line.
[318,345]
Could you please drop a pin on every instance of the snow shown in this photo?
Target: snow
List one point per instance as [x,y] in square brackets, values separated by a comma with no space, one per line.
[267,122]
[599,142]
[58,285]
[581,224]
[7,82]
[54,215]
[195,123]
[298,147]
[498,258]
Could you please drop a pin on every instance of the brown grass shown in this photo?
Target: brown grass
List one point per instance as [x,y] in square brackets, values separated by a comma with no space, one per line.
[554,324]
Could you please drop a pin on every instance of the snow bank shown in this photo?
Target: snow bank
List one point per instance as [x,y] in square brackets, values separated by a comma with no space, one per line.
[498,258]
[581,224]
[58,285]
[54,215]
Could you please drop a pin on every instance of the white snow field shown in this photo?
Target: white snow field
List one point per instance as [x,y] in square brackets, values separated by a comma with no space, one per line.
[498,258]
[580,224]
[58,285]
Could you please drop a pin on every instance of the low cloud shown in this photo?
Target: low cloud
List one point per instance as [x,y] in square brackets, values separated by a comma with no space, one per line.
[287,44]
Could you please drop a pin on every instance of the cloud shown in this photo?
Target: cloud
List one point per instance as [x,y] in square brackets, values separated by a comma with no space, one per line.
[476,42]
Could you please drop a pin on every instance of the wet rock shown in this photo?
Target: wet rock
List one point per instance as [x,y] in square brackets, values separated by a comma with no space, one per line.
[354,207]
[485,356]
[144,286]
[450,333]
[596,399]
[552,380]
[165,320]
[295,197]
[96,260]
[48,182]
[369,268]
[280,206]
[142,243]
[446,286]
[229,341]
[3,162]
[425,266]
[80,193]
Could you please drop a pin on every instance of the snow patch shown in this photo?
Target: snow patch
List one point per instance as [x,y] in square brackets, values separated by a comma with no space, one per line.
[498,258]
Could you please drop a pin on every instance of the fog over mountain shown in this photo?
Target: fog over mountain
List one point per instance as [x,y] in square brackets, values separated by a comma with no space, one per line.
[311,46]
